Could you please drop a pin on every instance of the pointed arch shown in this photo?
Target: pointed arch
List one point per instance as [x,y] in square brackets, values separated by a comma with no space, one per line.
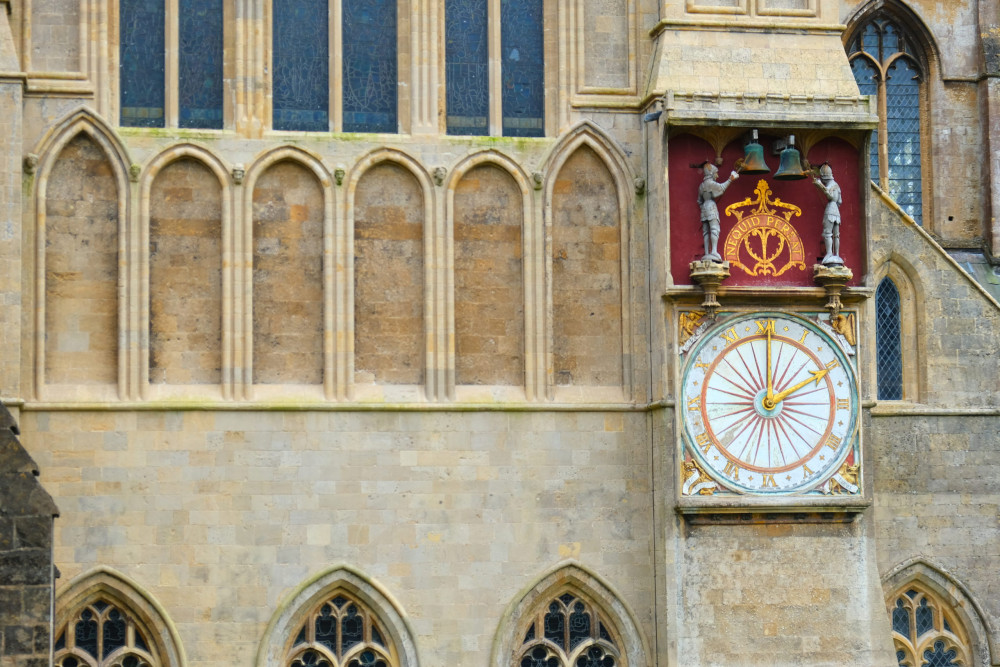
[621,638]
[587,133]
[906,281]
[82,121]
[594,362]
[951,613]
[330,255]
[204,157]
[404,351]
[278,644]
[143,613]
[517,344]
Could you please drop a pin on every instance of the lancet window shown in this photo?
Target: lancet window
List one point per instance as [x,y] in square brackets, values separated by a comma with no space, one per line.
[101,634]
[926,633]
[888,342]
[341,632]
[886,63]
[568,632]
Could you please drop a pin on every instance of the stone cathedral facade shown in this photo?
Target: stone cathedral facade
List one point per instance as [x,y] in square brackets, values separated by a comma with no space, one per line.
[391,333]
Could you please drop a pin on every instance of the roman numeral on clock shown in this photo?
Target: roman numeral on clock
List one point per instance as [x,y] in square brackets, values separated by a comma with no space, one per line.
[704,442]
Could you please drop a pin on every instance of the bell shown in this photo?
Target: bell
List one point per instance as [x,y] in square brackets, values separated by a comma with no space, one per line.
[790,168]
[753,158]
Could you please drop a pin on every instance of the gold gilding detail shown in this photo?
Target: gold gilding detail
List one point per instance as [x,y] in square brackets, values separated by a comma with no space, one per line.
[689,322]
[748,245]
[844,325]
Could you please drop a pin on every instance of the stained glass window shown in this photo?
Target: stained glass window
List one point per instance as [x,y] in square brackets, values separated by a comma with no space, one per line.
[369,62]
[141,62]
[104,635]
[340,632]
[888,347]
[522,68]
[199,62]
[883,59]
[922,632]
[301,65]
[568,632]
[466,66]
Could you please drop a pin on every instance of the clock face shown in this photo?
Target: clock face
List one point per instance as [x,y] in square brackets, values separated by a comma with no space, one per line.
[770,403]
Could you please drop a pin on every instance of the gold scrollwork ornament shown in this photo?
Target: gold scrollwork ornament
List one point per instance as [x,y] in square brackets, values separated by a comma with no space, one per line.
[748,245]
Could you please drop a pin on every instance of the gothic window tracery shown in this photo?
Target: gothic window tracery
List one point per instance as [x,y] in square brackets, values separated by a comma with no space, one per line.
[926,632]
[103,634]
[886,62]
[568,632]
[341,632]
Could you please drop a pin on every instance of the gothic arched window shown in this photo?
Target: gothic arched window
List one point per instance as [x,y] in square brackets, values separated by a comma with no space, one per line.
[888,342]
[886,63]
[170,74]
[925,632]
[341,632]
[102,634]
[568,632]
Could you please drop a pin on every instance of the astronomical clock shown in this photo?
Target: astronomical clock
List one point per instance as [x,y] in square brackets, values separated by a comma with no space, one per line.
[765,315]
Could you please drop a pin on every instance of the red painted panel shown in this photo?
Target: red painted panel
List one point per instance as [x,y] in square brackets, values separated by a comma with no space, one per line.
[685,223]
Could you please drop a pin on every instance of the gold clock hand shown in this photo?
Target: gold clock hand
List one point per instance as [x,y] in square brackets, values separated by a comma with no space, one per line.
[816,376]
[770,380]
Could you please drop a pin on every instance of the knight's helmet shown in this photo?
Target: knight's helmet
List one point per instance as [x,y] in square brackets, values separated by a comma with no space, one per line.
[826,172]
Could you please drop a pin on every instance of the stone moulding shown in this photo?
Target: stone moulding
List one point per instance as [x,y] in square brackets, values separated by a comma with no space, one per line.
[696,107]
[296,606]
[121,590]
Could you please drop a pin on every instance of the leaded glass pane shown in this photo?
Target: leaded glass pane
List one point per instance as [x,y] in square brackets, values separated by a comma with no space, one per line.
[903,125]
[141,62]
[114,632]
[890,41]
[925,618]
[887,342]
[939,657]
[466,68]
[199,62]
[867,77]
[901,619]
[522,69]
[579,626]
[369,65]
[555,625]
[595,656]
[869,40]
[352,629]
[368,659]
[86,633]
[539,657]
[326,629]
[301,99]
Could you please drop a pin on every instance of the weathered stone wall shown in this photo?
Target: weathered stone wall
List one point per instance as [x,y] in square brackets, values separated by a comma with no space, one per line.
[586,267]
[220,515]
[81,267]
[26,572]
[389,277]
[185,276]
[489,284]
[288,277]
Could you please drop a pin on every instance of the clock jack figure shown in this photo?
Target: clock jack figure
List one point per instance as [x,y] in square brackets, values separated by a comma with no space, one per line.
[708,192]
[831,215]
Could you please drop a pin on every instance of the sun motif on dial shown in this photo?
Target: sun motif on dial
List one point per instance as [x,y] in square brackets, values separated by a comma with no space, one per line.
[770,404]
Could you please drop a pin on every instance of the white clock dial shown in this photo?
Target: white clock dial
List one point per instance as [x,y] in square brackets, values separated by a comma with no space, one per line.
[770,403]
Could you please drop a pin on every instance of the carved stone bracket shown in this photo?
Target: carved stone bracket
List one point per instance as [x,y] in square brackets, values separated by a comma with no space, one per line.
[833,279]
[709,275]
